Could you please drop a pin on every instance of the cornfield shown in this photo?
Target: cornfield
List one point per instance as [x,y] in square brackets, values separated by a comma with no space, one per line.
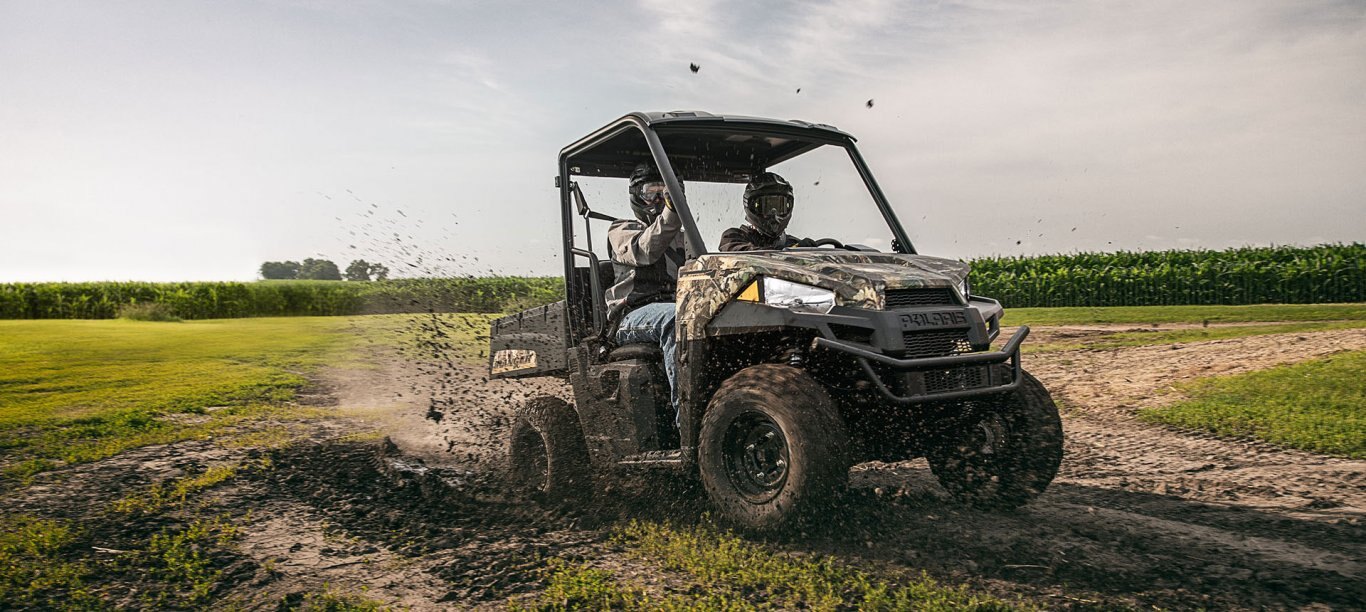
[217,300]
[1251,275]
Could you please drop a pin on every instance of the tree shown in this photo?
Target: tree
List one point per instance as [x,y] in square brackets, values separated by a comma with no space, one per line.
[280,270]
[319,269]
[379,271]
[359,270]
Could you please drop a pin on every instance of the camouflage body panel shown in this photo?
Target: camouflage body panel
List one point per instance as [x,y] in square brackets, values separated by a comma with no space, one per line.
[859,279]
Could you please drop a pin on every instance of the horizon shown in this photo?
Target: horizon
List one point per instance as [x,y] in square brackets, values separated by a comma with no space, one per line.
[258,278]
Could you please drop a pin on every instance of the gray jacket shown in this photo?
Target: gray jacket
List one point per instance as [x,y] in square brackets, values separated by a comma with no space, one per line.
[645,259]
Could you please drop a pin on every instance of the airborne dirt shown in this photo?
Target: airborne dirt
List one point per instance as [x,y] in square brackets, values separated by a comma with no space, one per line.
[1140,515]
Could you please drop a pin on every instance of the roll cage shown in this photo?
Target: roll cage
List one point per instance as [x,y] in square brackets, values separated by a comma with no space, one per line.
[698,145]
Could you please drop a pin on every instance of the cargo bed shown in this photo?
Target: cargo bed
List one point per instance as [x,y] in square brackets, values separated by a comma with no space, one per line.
[529,343]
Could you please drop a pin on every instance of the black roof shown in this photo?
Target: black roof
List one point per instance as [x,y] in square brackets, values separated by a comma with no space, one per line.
[701,146]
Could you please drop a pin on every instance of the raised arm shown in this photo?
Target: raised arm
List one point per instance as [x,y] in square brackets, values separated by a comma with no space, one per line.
[636,244]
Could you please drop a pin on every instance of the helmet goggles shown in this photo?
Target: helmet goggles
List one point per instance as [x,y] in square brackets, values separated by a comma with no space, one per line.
[652,191]
[773,205]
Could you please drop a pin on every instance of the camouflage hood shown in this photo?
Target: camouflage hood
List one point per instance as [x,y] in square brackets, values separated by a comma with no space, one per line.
[857,278]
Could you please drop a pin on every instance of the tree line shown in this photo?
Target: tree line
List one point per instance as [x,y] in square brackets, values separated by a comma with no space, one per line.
[218,300]
[323,269]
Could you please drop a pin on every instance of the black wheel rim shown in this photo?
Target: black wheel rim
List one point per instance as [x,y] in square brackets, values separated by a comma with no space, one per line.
[534,462]
[987,437]
[980,449]
[756,456]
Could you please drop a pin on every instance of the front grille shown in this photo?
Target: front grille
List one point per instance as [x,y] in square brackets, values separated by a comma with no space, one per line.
[936,343]
[955,380]
[908,298]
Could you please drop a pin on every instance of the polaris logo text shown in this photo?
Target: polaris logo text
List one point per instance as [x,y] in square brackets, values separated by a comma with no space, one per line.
[943,318]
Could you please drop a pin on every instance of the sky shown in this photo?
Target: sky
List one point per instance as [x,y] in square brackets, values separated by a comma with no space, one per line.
[167,141]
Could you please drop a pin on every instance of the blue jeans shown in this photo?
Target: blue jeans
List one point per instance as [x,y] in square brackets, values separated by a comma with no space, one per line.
[654,324]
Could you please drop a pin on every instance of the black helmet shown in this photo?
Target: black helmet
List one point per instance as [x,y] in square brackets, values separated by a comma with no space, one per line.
[647,192]
[768,203]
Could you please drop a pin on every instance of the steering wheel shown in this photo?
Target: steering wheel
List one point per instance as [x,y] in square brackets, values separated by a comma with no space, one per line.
[828,242]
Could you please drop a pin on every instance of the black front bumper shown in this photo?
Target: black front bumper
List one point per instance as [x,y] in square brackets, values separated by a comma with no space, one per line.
[959,376]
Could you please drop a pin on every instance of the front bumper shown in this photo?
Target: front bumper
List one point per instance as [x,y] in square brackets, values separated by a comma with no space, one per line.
[958,376]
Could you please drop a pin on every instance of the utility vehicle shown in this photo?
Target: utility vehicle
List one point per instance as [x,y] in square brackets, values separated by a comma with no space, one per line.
[793,364]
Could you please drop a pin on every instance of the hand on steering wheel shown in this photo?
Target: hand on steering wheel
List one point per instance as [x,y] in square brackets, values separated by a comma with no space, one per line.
[828,242]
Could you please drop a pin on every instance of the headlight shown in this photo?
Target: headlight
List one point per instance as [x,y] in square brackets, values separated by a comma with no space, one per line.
[794,296]
[964,288]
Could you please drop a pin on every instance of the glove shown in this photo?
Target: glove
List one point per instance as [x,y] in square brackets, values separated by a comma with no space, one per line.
[804,243]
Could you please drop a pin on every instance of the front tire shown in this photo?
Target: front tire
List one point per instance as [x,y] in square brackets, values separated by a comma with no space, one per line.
[772,447]
[1001,453]
[547,456]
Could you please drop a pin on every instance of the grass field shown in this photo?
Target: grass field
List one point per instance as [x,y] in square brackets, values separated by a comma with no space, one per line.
[1317,406]
[80,391]
[73,391]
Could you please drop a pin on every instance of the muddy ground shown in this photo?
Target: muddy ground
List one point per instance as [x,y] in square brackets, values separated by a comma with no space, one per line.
[1139,516]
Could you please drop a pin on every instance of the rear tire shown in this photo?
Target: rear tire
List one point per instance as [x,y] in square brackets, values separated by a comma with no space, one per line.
[547,456]
[1002,453]
[772,447]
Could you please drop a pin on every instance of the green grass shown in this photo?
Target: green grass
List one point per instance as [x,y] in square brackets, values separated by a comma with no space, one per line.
[174,494]
[182,559]
[35,566]
[1142,315]
[576,586]
[720,561]
[77,391]
[49,564]
[1317,405]
[726,572]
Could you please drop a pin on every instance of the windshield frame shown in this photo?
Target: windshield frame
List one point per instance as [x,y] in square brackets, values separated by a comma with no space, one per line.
[803,136]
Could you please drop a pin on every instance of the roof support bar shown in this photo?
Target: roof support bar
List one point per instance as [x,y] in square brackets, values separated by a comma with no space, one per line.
[691,236]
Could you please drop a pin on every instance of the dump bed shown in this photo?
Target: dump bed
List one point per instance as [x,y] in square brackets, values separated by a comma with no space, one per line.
[529,343]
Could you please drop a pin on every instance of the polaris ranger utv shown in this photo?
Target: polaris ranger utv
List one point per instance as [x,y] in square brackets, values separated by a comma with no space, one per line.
[793,364]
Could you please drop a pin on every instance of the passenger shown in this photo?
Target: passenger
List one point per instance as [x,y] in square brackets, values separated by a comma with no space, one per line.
[646,253]
[768,209]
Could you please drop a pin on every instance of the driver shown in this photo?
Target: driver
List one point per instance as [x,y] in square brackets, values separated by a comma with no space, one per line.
[646,252]
[768,209]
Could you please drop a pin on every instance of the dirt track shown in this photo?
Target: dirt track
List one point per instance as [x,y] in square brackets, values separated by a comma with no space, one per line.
[1140,515]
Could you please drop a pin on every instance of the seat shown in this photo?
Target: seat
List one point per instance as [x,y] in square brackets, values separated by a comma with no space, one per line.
[607,275]
[647,352]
